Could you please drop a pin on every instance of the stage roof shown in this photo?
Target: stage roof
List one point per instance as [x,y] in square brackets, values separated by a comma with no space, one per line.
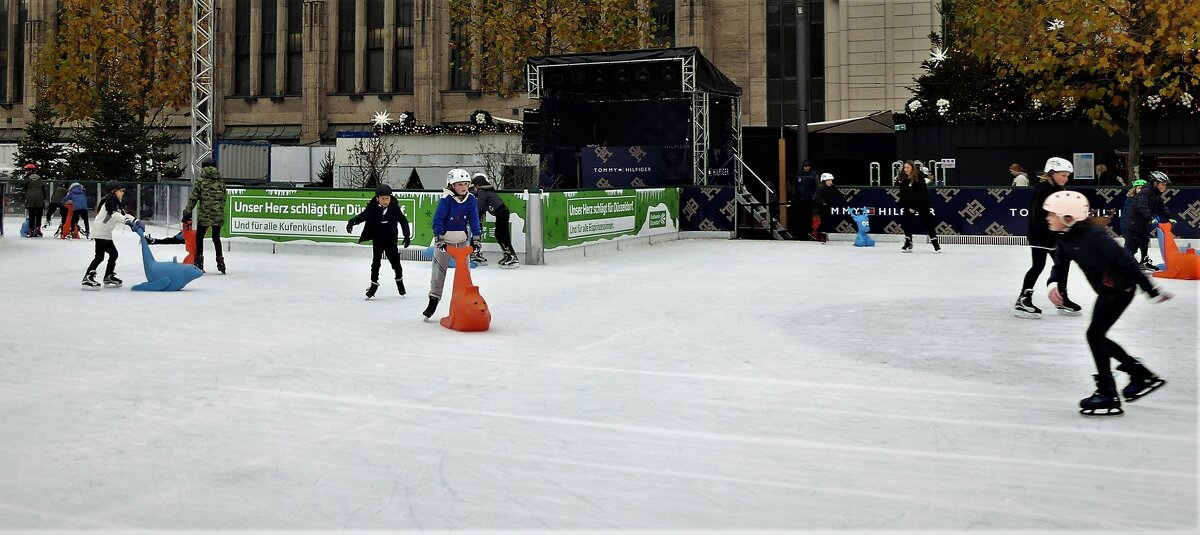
[709,78]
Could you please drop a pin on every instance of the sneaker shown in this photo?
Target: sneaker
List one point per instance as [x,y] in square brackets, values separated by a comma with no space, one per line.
[111,281]
[400,285]
[89,281]
[1024,307]
[371,289]
[431,308]
[937,247]
[907,248]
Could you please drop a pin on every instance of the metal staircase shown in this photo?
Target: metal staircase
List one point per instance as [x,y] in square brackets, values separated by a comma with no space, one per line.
[758,210]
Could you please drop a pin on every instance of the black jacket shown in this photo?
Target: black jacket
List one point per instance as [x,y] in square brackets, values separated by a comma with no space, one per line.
[381,222]
[490,202]
[804,185]
[1039,233]
[1147,205]
[829,197]
[914,195]
[1107,266]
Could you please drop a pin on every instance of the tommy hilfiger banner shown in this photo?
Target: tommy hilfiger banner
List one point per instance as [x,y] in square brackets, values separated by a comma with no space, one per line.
[638,166]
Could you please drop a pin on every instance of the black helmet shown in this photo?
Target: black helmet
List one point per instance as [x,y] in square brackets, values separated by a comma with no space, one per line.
[113,185]
[208,162]
[383,190]
[1159,176]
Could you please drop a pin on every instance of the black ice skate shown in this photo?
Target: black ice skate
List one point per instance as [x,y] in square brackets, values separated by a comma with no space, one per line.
[509,261]
[371,289]
[1104,401]
[478,258]
[199,262]
[221,264]
[89,281]
[431,308]
[1024,307]
[111,281]
[1147,265]
[907,245]
[937,247]
[1069,307]
[400,285]
[1141,381]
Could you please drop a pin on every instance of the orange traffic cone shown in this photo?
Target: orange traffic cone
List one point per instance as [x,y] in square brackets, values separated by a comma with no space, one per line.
[468,311]
[189,242]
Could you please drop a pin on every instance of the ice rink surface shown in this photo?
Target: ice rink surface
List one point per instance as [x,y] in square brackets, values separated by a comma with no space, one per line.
[699,385]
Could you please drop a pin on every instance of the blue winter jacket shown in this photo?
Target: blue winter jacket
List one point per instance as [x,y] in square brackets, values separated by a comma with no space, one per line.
[452,214]
[76,196]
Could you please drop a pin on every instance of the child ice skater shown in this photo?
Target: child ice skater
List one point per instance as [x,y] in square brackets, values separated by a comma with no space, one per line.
[1114,275]
[490,202]
[1042,240]
[109,215]
[455,220]
[381,216]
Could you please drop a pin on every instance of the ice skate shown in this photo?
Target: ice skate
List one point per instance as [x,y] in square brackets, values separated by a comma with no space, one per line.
[478,258]
[199,262]
[907,248]
[1141,381]
[431,308]
[1069,307]
[89,281]
[509,261]
[1104,401]
[937,247]
[371,289]
[221,264]
[400,285]
[111,281]
[1147,265]
[1024,307]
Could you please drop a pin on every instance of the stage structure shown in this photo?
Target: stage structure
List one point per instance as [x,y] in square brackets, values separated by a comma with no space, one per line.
[635,118]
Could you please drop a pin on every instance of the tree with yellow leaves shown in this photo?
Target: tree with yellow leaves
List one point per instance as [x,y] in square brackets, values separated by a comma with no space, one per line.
[504,33]
[1111,57]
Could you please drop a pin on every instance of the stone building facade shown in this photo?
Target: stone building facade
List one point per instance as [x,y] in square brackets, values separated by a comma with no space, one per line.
[297,71]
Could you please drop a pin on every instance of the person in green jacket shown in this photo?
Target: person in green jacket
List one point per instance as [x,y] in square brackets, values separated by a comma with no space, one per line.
[208,193]
[35,199]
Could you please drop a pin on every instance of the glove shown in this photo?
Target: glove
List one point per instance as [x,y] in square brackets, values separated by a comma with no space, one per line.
[1159,296]
[136,225]
[407,241]
[349,227]
[439,243]
[1173,222]
[476,244]
[1055,296]
[187,216]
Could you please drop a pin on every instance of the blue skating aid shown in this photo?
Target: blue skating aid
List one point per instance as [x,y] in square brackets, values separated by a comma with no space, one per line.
[164,276]
[428,255]
[25,228]
[860,218]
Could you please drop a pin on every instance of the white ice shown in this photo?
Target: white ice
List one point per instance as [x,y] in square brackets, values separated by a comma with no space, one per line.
[694,385]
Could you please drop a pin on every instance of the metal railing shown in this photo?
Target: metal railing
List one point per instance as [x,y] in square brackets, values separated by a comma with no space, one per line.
[155,203]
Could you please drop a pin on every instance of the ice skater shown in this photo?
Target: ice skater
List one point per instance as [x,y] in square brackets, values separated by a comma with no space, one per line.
[109,215]
[827,199]
[380,218]
[490,202]
[914,201]
[455,221]
[1114,275]
[1042,241]
[209,193]
[35,199]
[1147,209]
[79,202]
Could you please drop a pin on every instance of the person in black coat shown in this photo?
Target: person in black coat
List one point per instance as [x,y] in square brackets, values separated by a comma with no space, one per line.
[1042,241]
[827,199]
[1114,275]
[1148,206]
[800,210]
[381,216]
[491,203]
[914,201]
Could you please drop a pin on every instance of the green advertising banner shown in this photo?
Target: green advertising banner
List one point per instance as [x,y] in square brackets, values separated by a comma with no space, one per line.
[578,217]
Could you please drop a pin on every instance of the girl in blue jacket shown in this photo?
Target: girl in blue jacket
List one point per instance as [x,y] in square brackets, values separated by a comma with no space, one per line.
[455,221]
[78,198]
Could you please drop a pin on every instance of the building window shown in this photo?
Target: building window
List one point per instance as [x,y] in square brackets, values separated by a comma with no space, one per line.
[241,48]
[663,13]
[18,62]
[374,55]
[345,48]
[295,47]
[460,58]
[266,63]
[402,72]
[781,62]
[4,78]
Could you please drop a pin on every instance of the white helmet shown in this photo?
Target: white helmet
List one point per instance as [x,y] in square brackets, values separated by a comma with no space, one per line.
[457,175]
[1059,164]
[1067,203]
[826,176]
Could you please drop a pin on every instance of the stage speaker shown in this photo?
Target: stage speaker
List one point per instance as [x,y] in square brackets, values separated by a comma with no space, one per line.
[533,132]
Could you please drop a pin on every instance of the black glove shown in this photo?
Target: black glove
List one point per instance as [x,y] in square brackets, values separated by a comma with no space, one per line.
[476,244]
[349,227]
[439,243]
[187,216]
[407,241]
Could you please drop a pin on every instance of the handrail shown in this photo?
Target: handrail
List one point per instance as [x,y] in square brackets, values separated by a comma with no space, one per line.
[755,175]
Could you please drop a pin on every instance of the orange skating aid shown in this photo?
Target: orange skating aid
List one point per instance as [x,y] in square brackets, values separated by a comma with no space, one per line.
[68,224]
[1178,264]
[468,311]
[189,242]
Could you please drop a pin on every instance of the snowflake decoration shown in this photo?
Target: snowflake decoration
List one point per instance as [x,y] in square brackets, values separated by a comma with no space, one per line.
[1069,103]
[1153,101]
[1186,100]
[938,55]
[381,118]
[1053,25]
[943,106]
[914,106]
[1037,103]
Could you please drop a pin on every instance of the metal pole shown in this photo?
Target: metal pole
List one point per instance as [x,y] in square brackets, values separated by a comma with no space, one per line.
[801,83]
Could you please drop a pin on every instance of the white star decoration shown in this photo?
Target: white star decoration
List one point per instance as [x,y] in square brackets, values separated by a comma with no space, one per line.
[1055,25]
[382,118]
[938,55]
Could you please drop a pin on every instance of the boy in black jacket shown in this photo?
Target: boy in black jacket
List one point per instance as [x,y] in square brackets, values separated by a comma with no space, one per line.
[491,203]
[381,216]
[1114,275]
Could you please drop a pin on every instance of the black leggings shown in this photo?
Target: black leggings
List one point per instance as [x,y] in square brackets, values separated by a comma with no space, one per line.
[1039,263]
[1135,242]
[104,246]
[503,233]
[216,237]
[1109,307]
[926,221]
[35,219]
[379,248]
[81,215]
